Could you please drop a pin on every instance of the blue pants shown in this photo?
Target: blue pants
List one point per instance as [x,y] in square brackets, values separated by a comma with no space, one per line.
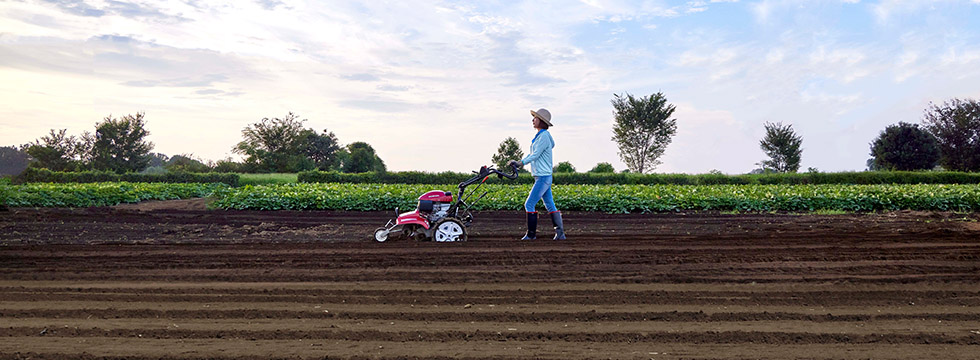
[540,191]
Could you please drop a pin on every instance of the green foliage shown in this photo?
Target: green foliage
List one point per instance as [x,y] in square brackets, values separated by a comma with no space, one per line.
[509,149]
[620,198]
[60,152]
[5,191]
[782,145]
[101,194]
[33,175]
[362,158]
[643,129]
[12,161]
[158,159]
[276,145]
[401,177]
[904,147]
[603,168]
[956,126]
[154,170]
[564,167]
[120,144]
[323,149]
[452,178]
[229,166]
[186,163]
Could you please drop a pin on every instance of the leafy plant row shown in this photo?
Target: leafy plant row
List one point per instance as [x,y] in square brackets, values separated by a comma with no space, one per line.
[619,198]
[856,178]
[34,175]
[101,194]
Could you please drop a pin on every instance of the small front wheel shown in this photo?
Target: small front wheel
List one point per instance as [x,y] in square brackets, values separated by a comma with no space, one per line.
[449,230]
[381,234]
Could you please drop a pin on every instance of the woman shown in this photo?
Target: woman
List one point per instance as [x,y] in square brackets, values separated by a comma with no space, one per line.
[540,160]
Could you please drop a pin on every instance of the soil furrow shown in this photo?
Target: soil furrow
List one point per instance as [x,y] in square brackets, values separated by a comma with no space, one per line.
[503,316]
[523,298]
[149,283]
[726,337]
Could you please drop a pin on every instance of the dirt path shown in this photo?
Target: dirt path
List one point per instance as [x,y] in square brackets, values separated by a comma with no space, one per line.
[162,282]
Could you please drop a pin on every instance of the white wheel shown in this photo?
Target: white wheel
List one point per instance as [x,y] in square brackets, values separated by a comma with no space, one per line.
[381,235]
[449,230]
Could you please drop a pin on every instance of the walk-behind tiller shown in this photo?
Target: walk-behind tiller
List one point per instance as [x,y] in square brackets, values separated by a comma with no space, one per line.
[437,216]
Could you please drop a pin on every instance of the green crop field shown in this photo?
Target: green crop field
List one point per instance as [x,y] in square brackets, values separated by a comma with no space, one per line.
[101,194]
[621,198]
[604,198]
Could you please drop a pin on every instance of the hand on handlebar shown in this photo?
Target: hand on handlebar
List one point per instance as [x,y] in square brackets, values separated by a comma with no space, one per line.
[513,164]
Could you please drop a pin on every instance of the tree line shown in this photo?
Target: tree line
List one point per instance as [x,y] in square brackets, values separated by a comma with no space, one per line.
[119,145]
[949,137]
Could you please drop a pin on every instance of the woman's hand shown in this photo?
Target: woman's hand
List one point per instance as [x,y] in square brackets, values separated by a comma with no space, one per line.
[514,163]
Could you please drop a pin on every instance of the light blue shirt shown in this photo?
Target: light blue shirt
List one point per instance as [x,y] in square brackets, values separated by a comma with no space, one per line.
[540,156]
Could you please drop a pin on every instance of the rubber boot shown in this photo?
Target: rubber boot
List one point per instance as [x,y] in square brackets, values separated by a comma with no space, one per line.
[559,227]
[532,226]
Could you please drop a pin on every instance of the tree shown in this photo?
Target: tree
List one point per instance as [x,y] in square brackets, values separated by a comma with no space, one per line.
[956,126]
[602,168]
[186,163]
[643,129]
[13,161]
[904,147]
[782,145]
[228,165]
[276,145]
[564,167]
[120,144]
[509,149]
[158,159]
[362,158]
[323,149]
[58,151]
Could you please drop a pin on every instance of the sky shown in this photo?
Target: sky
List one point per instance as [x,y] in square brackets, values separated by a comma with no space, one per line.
[437,85]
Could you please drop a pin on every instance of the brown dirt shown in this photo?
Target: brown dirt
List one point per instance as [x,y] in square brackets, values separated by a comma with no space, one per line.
[173,280]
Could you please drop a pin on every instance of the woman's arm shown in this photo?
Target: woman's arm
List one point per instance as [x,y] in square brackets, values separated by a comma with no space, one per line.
[537,148]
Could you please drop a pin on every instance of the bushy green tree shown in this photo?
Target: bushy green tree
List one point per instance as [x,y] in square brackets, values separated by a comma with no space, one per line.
[13,161]
[228,165]
[509,149]
[956,126]
[564,167]
[643,128]
[59,151]
[276,145]
[904,147]
[362,158]
[120,144]
[602,168]
[186,163]
[323,149]
[283,145]
[783,147]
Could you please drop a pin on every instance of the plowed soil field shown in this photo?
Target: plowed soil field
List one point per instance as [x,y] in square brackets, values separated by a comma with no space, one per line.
[172,280]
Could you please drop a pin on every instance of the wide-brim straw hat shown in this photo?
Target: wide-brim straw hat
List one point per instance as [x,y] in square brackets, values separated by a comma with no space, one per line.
[544,115]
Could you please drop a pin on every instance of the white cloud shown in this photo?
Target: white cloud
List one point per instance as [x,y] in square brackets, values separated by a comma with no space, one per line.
[390,74]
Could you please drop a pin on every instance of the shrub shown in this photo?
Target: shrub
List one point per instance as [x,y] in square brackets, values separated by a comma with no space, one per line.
[857,178]
[101,194]
[603,168]
[33,175]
